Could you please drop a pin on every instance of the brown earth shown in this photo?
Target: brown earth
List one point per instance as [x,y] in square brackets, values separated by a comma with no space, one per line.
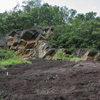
[51,80]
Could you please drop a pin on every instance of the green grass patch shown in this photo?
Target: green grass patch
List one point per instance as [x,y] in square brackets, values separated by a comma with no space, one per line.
[72,59]
[12,61]
[9,58]
[60,55]
[4,68]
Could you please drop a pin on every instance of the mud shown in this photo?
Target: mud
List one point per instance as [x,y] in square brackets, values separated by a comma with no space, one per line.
[51,80]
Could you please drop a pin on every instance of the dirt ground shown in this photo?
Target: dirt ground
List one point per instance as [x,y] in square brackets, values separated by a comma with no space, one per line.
[51,80]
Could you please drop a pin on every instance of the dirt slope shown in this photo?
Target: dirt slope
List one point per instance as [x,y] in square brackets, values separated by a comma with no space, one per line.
[51,80]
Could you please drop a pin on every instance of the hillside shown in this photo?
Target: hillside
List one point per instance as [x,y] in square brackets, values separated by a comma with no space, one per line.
[51,80]
[49,53]
[72,30]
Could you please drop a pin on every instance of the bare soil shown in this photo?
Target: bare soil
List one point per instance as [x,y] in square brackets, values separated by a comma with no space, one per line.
[51,80]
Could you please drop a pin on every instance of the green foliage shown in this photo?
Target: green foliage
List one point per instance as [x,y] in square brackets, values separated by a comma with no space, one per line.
[74,58]
[8,58]
[4,54]
[71,31]
[12,61]
[1,98]
[4,68]
[77,33]
[34,14]
[62,56]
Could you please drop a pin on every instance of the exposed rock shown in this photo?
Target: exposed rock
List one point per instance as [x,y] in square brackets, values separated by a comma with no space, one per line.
[26,35]
[44,49]
[9,42]
[16,40]
[86,54]
[13,32]
[32,43]
[48,31]
[63,53]
[22,44]
[79,52]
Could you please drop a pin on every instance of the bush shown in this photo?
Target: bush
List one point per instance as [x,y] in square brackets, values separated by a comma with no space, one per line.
[4,54]
[8,58]
[60,55]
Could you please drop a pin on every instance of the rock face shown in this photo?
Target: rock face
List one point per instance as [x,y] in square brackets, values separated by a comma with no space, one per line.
[45,50]
[86,54]
[29,42]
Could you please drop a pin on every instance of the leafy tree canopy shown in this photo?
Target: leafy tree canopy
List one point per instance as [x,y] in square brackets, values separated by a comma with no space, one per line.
[72,30]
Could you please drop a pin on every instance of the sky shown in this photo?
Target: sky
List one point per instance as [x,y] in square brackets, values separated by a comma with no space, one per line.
[81,6]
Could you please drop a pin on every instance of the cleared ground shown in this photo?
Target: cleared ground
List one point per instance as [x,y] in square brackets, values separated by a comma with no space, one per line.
[51,80]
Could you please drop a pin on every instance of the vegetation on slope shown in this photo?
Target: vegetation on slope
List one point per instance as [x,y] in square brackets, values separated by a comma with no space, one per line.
[71,31]
[8,58]
[60,55]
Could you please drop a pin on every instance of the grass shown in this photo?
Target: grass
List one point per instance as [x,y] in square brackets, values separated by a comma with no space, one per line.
[72,59]
[4,68]
[9,58]
[12,61]
[61,56]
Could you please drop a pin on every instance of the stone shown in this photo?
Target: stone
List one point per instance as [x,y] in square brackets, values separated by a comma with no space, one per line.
[13,32]
[86,54]
[47,31]
[22,44]
[26,35]
[44,49]
[9,42]
[16,40]
[30,44]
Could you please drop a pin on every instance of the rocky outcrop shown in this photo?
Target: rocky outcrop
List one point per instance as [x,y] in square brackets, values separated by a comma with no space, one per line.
[29,42]
[45,50]
[86,54]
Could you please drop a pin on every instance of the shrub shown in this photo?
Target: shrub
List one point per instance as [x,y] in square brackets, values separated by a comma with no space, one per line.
[4,54]
[72,59]
[8,58]
[60,55]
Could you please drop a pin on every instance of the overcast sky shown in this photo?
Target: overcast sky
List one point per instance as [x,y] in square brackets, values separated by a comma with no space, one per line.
[82,6]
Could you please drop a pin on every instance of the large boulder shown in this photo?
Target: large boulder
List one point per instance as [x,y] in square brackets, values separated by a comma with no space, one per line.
[30,42]
[45,49]
[26,35]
